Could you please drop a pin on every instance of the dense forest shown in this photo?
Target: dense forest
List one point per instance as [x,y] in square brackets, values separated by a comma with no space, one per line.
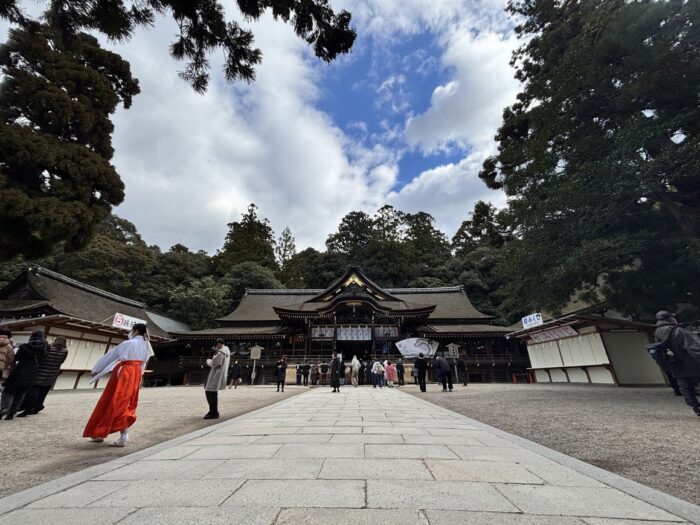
[396,249]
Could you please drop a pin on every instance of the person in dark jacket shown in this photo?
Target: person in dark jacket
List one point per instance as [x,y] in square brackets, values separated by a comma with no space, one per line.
[281,373]
[46,375]
[305,370]
[444,372]
[300,373]
[22,378]
[323,368]
[401,372]
[337,369]
[235,374]
[684,356]
[462,370]
[421,366]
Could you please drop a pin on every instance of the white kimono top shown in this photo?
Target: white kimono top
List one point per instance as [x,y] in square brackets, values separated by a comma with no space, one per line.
[136,349]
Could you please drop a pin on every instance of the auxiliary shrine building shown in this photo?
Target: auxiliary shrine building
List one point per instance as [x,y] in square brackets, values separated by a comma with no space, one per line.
[353,316]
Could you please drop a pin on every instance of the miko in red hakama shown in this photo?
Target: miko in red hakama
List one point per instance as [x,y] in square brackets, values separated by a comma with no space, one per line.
[116,409]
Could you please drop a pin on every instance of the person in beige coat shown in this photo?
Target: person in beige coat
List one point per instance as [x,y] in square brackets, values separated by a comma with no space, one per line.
[218,377]
[7,356]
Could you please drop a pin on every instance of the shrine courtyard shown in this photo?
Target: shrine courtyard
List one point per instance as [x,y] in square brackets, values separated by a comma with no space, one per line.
[362,456]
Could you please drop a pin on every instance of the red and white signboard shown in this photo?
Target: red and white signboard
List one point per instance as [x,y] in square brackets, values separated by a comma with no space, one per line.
[125,322]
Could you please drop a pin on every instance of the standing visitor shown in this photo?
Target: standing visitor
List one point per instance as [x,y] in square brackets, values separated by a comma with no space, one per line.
[401,372]
[313,371]
[7,357]
[305,371]
[355,372]
[300,373]
[462,370]
[216,380]
[116,409]
[46,375]
[378,374]
[235,373]
[324,372]
[444,372]
[22,379]
[414,374]
[337,370]
[421,367]
[390,374]
[682,351]
[281,373]
[369,379]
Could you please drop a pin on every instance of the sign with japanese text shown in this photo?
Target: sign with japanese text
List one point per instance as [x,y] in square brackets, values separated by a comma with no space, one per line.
[532,320]
[125,322]
[553,334]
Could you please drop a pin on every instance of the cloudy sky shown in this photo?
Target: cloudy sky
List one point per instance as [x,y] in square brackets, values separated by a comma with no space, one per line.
[405,119]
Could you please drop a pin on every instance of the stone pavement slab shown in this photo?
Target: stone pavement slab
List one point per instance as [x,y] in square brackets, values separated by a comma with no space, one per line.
[359,457]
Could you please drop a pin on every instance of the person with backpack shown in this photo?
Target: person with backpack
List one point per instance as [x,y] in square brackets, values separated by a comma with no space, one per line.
[678,350]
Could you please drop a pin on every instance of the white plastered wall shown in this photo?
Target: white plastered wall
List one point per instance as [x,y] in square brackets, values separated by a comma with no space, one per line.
[633,365]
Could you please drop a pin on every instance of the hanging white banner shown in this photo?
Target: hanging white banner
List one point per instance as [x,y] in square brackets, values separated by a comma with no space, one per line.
[417,345]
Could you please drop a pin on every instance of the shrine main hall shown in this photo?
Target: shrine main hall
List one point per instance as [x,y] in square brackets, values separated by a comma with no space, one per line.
[353,316]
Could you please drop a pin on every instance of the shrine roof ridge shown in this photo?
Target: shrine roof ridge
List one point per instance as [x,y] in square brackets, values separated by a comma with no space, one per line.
[316,291]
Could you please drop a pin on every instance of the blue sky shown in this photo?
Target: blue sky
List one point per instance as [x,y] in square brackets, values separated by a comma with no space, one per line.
[406,119]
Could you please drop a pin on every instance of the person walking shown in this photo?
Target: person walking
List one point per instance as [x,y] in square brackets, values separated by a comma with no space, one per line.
[401,372]
[355,372]
[281,373]
[46,375]
[7,357]
[681,349]
[305,371]
[462,370]
[378,374]
[390,374]
[116,409]
[337,369]
[22,378]
[421,367]
[236,373]
[444,372]
[216,380]
[299,373]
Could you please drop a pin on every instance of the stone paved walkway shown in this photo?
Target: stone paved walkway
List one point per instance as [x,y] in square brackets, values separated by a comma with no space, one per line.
[361,456]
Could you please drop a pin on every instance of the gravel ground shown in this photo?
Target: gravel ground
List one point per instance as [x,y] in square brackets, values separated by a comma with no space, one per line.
[49,445]
[645,434]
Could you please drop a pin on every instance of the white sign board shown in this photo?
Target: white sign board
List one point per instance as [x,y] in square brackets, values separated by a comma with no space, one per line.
[553,334]
[417,345]
[532,320]
[125,322]
[453,350]
[255,352]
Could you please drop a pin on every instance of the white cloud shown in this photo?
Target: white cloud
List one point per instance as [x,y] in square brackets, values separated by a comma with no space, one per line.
[466,111]
[192,163]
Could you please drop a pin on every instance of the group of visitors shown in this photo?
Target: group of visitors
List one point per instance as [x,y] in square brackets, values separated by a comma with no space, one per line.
[28,371]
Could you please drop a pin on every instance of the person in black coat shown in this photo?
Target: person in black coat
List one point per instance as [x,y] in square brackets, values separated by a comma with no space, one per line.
[46,375]
[421,365]
[305,369]
[337,369]
[281,373]
[235,374]
[300,373]
[401,372]
[462,370]
[22,378]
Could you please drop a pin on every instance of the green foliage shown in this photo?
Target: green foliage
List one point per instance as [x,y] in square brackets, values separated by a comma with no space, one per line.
[355,231]
[200,302]
[56,99]
[247,275]
[313,269]
[481,230]
[249,240]
[599,156]
[203,28]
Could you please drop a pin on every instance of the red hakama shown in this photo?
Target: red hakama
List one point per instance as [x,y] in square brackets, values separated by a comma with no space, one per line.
[116,409]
